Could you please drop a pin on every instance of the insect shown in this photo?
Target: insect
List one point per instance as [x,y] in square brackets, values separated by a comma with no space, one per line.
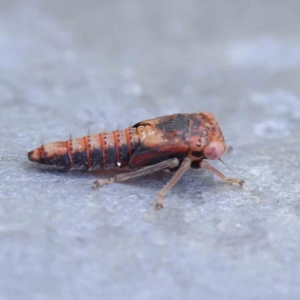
[175,142]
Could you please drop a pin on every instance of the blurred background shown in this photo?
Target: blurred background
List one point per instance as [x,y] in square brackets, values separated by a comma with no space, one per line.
[71,66]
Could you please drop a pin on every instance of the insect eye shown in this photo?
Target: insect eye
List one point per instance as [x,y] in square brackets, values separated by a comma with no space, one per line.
[214,150]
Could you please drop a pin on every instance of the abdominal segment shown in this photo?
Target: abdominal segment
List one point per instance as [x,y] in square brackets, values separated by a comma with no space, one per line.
[99,151]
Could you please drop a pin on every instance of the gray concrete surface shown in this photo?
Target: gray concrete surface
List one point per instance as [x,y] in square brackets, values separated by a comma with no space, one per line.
[71,66]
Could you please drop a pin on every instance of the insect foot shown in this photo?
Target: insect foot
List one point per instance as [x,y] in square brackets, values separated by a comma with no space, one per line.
[102,182]
[158,206]
[234,180]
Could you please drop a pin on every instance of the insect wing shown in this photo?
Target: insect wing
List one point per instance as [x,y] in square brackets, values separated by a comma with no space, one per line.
[144,156]
[166,138]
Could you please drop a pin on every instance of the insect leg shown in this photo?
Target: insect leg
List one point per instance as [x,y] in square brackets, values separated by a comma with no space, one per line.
[206,165]
[184,166]
[170,163]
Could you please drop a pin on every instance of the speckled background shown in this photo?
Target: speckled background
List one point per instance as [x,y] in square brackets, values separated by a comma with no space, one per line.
[71,66]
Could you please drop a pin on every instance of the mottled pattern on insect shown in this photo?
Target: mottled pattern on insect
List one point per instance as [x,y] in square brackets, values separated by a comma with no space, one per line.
[175,142]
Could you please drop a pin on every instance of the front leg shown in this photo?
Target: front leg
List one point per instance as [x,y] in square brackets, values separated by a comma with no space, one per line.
[206,165]
[183,167]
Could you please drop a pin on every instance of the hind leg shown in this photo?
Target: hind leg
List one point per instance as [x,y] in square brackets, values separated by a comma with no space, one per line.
[170,163]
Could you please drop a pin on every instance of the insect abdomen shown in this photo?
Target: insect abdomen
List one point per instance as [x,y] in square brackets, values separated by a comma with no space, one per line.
[104,150]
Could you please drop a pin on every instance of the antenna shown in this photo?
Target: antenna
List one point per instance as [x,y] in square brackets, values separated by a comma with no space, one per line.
[226,165]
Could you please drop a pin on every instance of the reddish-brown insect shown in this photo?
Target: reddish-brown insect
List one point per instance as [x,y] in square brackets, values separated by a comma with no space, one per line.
[175,142]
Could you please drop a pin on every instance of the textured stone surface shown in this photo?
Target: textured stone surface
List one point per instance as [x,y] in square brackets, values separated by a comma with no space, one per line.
[67,67]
